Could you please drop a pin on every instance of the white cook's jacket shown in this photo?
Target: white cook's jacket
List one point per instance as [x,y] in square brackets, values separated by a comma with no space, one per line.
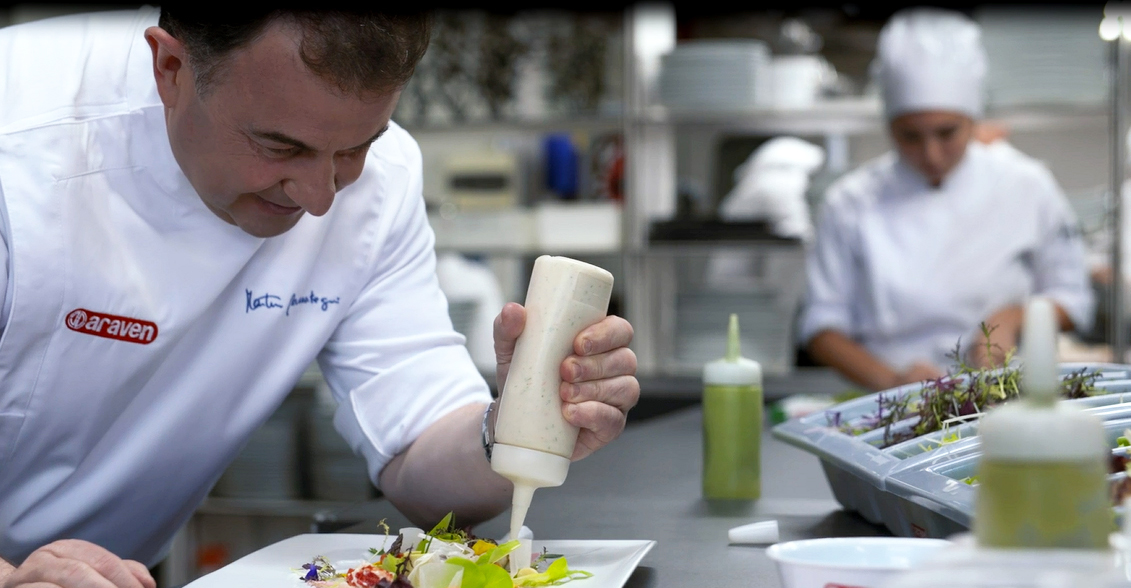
[146,338]
[908,270]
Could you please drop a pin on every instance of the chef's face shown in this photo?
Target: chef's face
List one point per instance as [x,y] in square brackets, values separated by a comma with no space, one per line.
[932,142]
[269,141]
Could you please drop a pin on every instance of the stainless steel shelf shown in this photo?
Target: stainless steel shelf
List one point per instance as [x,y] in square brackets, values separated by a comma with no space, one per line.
[589,123]
[842,116]
[493,251]
[865,116]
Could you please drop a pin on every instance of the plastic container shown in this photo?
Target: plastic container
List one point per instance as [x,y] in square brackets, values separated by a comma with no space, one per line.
[917,488]
[533,441]
[732,423]
[858,562]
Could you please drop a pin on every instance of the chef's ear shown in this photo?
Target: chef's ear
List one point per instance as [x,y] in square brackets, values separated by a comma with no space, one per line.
[170,65]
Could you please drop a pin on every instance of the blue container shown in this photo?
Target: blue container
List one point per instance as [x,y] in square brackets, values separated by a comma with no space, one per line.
[561,165]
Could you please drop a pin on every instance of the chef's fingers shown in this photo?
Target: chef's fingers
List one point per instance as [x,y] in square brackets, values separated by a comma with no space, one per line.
[80,564]
[600,423]
[621,392]
[608,334]
[141,572]
[56,572]
[508,326]
[619,362]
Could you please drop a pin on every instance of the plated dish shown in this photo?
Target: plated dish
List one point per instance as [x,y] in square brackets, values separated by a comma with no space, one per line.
[610,562]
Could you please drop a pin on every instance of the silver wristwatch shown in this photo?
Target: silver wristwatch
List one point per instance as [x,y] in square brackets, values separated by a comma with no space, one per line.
[488,430]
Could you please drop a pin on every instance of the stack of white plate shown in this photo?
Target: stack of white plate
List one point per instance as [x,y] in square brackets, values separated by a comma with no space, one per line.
[1042,57]
[731,74]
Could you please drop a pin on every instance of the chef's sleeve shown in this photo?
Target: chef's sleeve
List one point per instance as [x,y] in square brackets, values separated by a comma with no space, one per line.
[395,364]
[830,277]
[1060,261]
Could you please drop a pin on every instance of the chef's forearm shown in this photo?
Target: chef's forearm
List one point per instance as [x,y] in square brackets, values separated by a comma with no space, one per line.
[1063,320]
[5,569]
[445,470]
[852,360]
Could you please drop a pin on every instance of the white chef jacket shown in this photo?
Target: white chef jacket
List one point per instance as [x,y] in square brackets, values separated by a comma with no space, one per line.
[146,339]
[909,270]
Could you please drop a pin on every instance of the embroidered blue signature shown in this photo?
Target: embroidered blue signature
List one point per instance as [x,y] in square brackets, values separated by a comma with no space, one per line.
[268,300]
[264,301]
[312,298]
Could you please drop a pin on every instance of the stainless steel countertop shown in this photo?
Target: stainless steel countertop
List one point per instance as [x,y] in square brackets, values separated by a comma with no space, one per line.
[645,485]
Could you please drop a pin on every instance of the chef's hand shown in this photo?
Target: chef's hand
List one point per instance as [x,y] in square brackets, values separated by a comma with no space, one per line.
[1003,326]
[918,372]
[77,564]
[598,381]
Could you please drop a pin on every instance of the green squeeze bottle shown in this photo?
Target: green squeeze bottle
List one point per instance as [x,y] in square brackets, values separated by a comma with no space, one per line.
[1042,479]
[732,424]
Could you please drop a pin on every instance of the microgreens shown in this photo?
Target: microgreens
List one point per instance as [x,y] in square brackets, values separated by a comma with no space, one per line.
[958,397]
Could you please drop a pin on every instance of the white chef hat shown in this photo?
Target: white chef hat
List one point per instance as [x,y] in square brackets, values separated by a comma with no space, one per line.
[931,59]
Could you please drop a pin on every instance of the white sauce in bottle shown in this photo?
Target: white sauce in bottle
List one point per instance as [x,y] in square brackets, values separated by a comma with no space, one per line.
[533,441]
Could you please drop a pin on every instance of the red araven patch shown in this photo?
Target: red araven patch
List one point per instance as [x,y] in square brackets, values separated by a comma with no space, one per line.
[99,324]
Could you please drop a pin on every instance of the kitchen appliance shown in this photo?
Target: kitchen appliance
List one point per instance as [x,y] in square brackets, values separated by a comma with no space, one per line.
[482,180]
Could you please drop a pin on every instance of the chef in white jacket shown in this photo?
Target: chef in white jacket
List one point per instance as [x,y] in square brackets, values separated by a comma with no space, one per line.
[917,248]
[187,220]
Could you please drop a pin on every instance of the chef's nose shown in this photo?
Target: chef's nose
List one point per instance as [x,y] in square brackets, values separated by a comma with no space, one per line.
[312,185]
[933,153]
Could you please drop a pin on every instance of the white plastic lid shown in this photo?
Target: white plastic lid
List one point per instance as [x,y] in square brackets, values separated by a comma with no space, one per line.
[1058,433]
[765,532]
[537,469]
[733,370]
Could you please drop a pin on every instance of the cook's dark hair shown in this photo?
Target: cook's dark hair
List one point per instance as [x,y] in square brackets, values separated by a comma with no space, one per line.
[358,51]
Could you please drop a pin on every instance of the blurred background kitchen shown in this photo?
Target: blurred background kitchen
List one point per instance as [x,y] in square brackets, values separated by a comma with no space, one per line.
[687,151]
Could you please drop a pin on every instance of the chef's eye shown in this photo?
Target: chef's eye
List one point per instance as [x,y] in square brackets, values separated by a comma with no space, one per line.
[281,152]
[359,150]
[910,137]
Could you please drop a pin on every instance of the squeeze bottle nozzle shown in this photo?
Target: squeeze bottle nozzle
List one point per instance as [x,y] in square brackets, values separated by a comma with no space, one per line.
[1039,376]
[734,343]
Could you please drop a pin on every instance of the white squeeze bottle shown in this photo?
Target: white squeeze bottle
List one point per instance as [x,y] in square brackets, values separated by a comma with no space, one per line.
[1042,480]
[533,441]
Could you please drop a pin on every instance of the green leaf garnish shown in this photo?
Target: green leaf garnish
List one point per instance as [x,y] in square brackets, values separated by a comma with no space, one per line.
[497,553]
[472,576]
[443,526]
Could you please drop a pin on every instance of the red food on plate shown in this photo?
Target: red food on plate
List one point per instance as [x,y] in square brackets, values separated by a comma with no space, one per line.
[368,576]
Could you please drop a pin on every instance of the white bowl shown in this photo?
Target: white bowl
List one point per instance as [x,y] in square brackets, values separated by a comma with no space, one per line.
[859,562]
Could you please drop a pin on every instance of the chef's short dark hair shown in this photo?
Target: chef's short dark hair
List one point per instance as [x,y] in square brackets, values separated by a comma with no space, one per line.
[359,51]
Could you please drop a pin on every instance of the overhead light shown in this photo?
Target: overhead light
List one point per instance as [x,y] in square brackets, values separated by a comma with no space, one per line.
[1110,28]
[1116,21]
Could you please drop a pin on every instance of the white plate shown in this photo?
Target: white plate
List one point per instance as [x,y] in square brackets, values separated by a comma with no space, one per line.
[610,562]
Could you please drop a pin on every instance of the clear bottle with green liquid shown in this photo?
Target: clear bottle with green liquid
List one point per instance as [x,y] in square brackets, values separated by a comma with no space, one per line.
[1042,479]
[732,424]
